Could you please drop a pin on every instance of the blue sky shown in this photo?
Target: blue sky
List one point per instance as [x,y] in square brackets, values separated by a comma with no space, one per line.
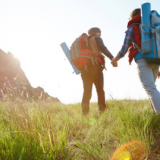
[34,29]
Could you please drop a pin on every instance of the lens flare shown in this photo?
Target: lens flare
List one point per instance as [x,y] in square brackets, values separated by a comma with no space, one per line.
[133,150]
[124,155]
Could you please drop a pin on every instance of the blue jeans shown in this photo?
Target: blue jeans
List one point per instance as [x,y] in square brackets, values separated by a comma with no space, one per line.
[148,74]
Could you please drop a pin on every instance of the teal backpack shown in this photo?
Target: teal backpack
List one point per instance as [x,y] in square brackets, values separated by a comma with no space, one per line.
[150,35]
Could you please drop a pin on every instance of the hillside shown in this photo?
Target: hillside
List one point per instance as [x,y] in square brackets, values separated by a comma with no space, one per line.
[49,131]
[14,83]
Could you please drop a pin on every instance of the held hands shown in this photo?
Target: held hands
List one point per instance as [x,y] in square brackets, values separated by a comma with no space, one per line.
[114,62]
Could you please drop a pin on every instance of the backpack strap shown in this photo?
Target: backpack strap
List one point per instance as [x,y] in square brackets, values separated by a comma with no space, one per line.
[153,39]
[86,40]
[85,36]
[135,24]
[136,46]
[133,42]
[142,29]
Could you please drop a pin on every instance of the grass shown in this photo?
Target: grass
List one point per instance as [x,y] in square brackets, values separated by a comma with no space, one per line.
[48,131]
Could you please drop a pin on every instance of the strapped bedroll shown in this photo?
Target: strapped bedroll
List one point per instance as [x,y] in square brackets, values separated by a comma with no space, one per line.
[68,55]
[145,28]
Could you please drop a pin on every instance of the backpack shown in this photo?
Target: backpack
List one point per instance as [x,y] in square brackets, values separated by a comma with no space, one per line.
[150,34]
[80,52]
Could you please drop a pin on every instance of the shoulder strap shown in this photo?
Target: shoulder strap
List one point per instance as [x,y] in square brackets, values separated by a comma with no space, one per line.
[144,25]
[86,37]
[135,24]
[136,46]
[133,42]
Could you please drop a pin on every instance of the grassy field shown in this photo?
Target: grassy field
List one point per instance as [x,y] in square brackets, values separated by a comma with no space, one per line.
[44,131]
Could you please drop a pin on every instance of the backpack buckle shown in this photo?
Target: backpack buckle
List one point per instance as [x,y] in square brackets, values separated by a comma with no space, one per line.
[153,30]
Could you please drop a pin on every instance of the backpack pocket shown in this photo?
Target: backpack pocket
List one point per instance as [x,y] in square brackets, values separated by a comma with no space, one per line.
[157,32]
[80,62]
[146,39]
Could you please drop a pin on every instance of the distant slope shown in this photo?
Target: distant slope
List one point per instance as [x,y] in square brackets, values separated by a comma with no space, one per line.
[14,83]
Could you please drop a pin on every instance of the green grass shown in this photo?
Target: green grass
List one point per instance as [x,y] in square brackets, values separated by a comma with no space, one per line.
[44,131]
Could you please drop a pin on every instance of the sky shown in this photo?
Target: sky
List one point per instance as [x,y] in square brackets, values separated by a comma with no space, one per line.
[32,30]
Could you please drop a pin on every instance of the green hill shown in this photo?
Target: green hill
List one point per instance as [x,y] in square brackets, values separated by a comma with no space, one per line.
[45,130]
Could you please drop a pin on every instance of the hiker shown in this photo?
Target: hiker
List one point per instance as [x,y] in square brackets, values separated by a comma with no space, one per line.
[94,72]
[147,72]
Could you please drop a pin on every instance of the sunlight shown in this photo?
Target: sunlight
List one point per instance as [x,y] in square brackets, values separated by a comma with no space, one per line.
[34,37]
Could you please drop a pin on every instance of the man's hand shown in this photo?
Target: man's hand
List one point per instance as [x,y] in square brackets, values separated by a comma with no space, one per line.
[114,62]
[158,74]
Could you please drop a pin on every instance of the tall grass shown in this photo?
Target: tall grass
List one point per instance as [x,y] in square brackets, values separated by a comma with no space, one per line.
[44,130]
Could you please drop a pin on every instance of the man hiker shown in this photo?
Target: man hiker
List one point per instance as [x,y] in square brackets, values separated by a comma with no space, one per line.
[94,72]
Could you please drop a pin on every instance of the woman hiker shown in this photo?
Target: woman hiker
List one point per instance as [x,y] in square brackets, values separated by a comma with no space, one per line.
[148,72]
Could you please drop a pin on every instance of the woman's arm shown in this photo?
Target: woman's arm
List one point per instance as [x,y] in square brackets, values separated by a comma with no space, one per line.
[126,44]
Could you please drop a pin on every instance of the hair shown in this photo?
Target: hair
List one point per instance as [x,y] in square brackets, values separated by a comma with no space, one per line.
[135,12]
[93,31]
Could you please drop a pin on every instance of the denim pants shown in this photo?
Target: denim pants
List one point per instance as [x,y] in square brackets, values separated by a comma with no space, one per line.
[148,73]
[94,75]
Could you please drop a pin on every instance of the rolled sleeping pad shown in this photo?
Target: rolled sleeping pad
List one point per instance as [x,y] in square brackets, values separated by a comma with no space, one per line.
[67,53]
[145,31]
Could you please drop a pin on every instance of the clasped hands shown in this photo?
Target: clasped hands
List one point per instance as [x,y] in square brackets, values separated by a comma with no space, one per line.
[114,62]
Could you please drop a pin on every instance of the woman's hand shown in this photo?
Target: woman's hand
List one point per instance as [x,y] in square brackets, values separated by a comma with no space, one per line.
[114,62]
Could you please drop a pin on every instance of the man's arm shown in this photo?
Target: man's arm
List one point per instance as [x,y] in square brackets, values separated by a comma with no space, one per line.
[103,48]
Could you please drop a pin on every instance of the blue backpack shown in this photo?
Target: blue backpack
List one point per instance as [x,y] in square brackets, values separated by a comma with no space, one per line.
[150,34]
